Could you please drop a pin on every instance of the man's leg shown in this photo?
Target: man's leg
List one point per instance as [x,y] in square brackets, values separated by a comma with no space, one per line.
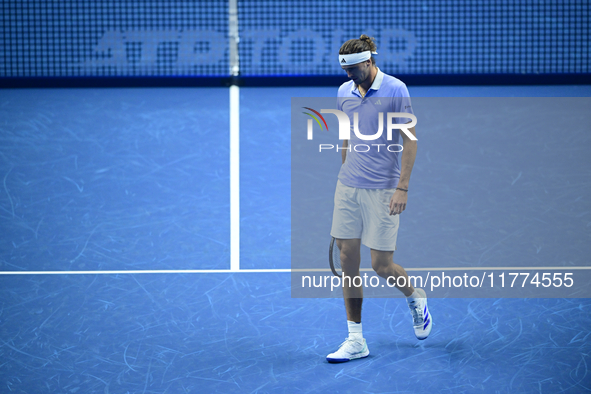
[355,345]
[382,262]
[350,260]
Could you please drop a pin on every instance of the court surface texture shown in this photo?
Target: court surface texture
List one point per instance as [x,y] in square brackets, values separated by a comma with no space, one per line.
[132,180]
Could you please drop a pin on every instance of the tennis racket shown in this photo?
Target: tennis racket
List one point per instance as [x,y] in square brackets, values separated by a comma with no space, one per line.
[334,258]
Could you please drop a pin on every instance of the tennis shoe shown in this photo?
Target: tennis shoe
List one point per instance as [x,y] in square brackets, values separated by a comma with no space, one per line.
[349,350]
[422,319]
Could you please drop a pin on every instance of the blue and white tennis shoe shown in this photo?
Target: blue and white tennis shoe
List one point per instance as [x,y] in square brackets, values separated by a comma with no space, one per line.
[349,350]
[422,320]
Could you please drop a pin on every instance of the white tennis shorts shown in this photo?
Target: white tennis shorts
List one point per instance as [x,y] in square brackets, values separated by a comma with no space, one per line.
[365,214]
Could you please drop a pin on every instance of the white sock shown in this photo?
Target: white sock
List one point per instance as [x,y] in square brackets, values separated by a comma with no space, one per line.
[355,331]
[413,297]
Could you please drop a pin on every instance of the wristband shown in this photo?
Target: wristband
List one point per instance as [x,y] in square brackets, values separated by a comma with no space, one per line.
[404,190]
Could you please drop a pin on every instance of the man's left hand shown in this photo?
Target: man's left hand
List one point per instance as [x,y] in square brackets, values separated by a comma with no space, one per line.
[398,202]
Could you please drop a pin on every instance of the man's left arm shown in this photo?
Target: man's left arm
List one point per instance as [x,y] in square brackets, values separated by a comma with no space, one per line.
[409,152]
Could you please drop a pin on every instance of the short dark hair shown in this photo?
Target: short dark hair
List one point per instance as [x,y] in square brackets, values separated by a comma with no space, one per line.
[361,44]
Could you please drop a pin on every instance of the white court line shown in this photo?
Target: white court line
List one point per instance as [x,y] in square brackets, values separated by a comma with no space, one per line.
[279,270]
[234,178]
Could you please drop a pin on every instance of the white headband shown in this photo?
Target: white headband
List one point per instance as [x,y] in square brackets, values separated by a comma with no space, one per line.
[355,58]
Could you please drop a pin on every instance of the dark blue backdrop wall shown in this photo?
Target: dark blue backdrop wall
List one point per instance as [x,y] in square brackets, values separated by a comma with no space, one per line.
[51,38]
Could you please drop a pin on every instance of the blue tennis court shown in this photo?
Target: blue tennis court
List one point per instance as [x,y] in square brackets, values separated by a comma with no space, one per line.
[138,179]
[160,213]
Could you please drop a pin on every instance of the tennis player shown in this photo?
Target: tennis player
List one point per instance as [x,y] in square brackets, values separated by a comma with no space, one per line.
[371,191]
